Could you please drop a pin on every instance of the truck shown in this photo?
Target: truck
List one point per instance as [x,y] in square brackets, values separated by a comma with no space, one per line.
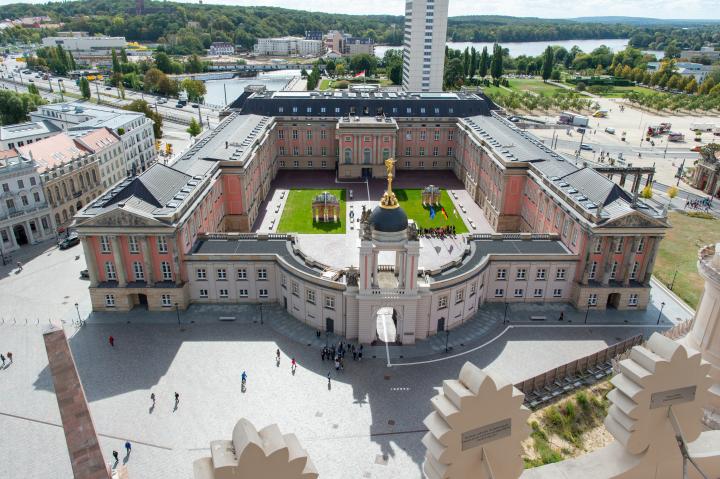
[701,126]
[569,118]
[659,129]
[675,136]
[182,98]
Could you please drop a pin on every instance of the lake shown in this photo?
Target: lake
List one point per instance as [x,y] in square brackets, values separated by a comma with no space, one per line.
[272,80]
[532,48]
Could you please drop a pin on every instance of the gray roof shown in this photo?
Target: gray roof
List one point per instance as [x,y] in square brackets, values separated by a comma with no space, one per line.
[479,249]
[30,128]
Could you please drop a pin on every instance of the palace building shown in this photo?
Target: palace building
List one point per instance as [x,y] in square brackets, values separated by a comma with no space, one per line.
[187,233]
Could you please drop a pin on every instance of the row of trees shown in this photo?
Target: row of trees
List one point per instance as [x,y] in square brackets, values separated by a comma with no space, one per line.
[515,100]
[14,107]
[469,67]
[674,102]
[53,59]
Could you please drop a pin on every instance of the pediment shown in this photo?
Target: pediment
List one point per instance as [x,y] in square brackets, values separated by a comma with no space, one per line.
[119,217]
[635,220]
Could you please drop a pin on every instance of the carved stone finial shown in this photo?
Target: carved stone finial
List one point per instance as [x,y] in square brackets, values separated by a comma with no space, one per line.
[253,454]
[389,200]
[476,428]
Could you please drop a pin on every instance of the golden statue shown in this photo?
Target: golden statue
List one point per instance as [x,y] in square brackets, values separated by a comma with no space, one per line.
[389,200]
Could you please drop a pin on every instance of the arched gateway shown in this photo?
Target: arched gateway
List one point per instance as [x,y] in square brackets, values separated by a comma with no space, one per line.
[388,292]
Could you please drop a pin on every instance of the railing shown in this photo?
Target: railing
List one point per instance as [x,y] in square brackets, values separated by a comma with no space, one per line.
[569,374]
[513,236]
[387,292]
[386,268]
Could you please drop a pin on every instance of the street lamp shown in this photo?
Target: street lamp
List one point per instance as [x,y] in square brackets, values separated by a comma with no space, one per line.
[587,312]
[261,315]
[177,311]
[77,308]
[447,336]
[505,315]
[662,305]
[672,283]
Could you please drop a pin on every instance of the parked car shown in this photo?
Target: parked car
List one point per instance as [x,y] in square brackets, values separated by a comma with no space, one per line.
[179,105]
[84,274]
[194,105]
[108,88]
[610,130]
[586,147]
[69,242]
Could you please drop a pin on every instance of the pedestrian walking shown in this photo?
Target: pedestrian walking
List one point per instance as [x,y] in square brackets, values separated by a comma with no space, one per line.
[562,316]
[322,354]
[2,357]
[328,376]
[116,456]
[9,356]
[111,340]
[337,364]
[19,265]
[293,365]
[354,355]
[152,398]
[177,399]
[128,448]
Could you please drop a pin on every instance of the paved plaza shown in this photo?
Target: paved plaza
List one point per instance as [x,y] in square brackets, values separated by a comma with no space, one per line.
[367,424]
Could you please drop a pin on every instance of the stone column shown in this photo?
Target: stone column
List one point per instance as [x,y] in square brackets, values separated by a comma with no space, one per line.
[31,238]
[119,263]
[13,241]
[589,246]
[90,261]
[609,258]
[630,256]
[623,176]
[374,276]
[650,261]
[147,260]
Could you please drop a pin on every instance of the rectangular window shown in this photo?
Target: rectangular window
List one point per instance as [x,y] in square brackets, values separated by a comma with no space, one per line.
[501,273]
[473,289]
[166,272]
[560,274]
[21,184]
[263,293]
[296,164]
[323,151]
[540,274]
[407,164]
[519,293]
[162,244]
[593,270]
[459,296]
[613,270]
[633,300]
[166,300]
[499,293]
[641,245]
[221,274]
[104,244]
[110,271]
[133,245]
[138,270]
[309,134]
[634,270]
[308,150]
[294,134]
[408,151]
[422,135]
[310,296]
[201,274]
[243,293]
[521,273]
[296,152]
[262,274]
[242,273]
[619,245]
[329,302]
[323,134]
[436,151]
[282,152]
[295,289]
[538,293]
[223,293]
[283,281]
[442,302]
[422,151]
[575,236]
[110,300]
[281,134]
[323,164]
[450,135]
[449,151]
[203,293]
[557,293]
[592,299]
[36,197]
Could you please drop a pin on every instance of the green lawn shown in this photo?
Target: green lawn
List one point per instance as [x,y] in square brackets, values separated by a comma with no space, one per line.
[619,91]
[411,202]
[533,85]
[678,251]
[325,83]
[297,215]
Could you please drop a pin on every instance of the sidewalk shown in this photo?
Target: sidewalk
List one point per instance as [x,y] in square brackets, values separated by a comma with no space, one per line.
[490,321]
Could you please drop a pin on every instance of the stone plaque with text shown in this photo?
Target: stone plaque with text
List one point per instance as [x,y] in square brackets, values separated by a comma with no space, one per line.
[483,435]
[672,396]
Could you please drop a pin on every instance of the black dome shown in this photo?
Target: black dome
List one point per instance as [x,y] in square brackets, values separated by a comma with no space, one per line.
[389,220]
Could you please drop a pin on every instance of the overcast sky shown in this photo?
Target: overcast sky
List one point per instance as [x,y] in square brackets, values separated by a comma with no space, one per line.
[521,8]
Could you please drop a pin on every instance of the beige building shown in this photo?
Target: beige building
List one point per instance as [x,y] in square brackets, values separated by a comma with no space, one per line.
[108,151]
[69,173]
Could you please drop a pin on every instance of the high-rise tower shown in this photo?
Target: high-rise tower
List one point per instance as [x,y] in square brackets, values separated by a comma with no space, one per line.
[424,47]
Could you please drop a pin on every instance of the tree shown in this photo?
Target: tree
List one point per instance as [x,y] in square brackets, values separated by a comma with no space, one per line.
[141,106]
[395,74]
[14,107]
[115,63]
[672,192]
[672,51]
[555,76]
[163,62]
[454,73]
[84,88]
[483,63]
[33,89]
[194,129]
[548,60]
[473,62]
[194,65]
[313,78]
[647,192]
[496,66]
[123,55]
[692,86]
[363,62]
[195,89]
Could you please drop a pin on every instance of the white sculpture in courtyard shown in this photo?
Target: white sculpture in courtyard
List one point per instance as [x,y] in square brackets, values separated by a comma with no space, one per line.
[476,428]
[256,454]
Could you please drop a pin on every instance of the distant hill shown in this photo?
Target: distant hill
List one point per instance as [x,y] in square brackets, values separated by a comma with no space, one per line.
[643,21]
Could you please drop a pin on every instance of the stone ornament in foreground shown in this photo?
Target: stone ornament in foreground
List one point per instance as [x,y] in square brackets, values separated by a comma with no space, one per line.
[476,428]
[253,454]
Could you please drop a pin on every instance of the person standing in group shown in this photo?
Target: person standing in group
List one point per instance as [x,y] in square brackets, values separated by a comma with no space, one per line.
[9,356]
[277,356]
[2,357]
[111,340]
[177,399]
[152,398]
[293,365]
[116,456]
[337,364]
